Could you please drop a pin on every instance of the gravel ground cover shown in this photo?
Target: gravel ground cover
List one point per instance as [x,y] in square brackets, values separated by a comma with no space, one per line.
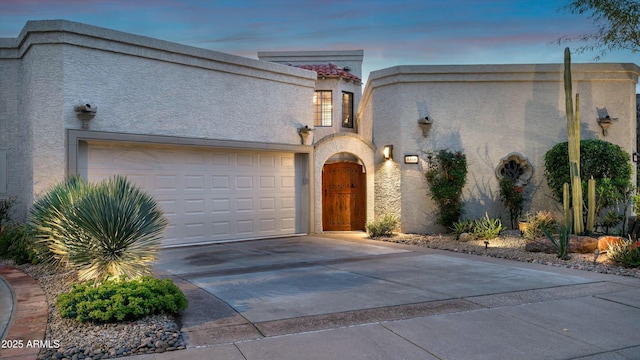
[512,247]
[152,334]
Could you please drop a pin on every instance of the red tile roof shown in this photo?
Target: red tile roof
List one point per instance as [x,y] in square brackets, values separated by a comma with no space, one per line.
[330,70]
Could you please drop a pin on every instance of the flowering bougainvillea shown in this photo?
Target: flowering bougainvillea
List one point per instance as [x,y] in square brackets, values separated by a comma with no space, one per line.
[512,197]
[447,175]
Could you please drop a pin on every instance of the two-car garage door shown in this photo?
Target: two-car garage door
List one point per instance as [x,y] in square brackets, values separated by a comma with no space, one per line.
[207,194]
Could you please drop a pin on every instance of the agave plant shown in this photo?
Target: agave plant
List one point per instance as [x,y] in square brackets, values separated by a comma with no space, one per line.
[112,229]
[561,244]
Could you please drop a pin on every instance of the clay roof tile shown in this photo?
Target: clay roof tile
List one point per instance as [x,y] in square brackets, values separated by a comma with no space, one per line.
[330,70]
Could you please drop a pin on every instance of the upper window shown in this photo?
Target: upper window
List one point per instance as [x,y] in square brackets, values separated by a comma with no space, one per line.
[347,109]
[322,108]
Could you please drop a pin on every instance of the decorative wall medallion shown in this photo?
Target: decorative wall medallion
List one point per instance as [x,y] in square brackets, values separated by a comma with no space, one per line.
[515,166]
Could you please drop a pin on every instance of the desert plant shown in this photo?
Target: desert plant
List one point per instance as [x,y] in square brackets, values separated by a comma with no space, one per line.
[598,159]
[383,226]
[487,228]
[561,243]
[607,163]
[447,175]
[573,134]
[463,226]
[114,301]
[6,206]
[110,229]
[17,243]
[635,202]
[626,254]
[535,222]
[513,198]
[610,220]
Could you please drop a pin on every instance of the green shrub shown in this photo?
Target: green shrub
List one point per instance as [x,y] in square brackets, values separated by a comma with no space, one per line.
[463,226]
[487,228]
[598,159]
[383,226]
[626,254]
[610,220]
[5,211]
[110,229]
[513,198]
[17,243]
[534,224]
[447,175]
[119,300]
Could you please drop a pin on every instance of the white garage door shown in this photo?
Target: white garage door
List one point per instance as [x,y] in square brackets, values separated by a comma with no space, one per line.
[207,194]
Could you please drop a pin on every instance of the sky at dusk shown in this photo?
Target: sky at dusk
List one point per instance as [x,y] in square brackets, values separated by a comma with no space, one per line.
[390,32]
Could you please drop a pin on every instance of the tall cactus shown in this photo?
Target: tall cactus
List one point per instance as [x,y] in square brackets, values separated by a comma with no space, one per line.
[566,205]
[573,134]
[591,202]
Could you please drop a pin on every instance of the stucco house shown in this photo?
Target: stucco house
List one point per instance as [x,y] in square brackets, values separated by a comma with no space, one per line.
[290,143]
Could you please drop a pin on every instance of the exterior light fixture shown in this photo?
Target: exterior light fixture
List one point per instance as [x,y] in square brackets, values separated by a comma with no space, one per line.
[605,122]
[635,157]
[85,113]
[387,152]
[411,159]
[425,124]
[304,133]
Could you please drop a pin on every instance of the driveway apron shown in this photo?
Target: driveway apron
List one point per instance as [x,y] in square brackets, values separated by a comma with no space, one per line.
[343,292]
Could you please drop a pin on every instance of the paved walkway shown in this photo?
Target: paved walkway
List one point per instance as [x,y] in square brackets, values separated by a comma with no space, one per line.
[24,307]
[346,297]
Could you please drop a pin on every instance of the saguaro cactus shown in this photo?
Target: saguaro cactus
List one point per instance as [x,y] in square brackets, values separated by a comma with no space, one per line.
[566,204]
[591,202]
[573,134]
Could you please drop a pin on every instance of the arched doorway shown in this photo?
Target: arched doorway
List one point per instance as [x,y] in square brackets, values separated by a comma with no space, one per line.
[343,196]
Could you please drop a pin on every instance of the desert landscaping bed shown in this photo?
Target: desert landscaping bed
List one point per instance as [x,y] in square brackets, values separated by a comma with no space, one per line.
[512,247]
[152,334]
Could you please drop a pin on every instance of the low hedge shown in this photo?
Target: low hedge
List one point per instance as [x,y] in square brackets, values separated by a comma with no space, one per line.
[119,300]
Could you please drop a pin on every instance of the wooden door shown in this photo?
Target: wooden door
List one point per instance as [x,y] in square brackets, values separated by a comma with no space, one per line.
[343,197]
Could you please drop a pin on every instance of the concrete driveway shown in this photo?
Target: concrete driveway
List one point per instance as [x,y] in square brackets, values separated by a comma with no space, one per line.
[341,296]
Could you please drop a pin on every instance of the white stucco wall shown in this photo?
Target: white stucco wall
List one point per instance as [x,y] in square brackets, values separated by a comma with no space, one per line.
[138,95]
[33,95]
[487,112]
[14,139]
[140,86]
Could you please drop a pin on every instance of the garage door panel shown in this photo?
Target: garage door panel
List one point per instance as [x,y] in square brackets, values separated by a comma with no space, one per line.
[267,182]
[207,194]
[194,182]
[288,224]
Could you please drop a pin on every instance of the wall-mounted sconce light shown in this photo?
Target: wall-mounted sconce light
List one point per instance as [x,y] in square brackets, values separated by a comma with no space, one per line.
[425,123]
[605,122]
[304,133]
[411,159]
[387,152]
[85,112]
[635,156]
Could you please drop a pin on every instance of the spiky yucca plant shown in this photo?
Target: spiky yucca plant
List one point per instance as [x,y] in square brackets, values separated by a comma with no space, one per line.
[108,230]
[47,213]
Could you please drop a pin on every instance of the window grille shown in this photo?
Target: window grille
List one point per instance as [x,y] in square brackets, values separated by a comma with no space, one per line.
[347,109]
[322,108]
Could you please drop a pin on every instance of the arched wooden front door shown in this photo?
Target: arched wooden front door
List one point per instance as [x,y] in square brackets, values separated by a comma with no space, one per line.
[343,197]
